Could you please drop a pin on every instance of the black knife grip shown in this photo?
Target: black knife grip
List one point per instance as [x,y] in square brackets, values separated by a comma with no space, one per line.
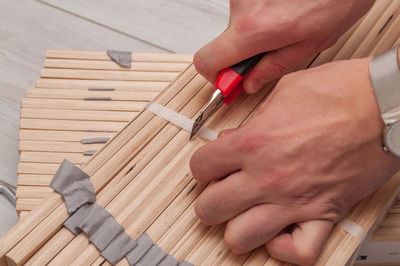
[242,68]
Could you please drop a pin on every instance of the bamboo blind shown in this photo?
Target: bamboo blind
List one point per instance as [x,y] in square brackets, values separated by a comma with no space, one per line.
[82,95]
[142,176]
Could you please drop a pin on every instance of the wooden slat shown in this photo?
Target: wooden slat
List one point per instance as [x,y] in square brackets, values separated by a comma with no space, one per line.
[33,192]
[57,146]
[51,157]
[49,124]
[38,168]
[107,75]
[28,204]
[34,179]
[59,135]
[110,65]
[117,84]
[76,115]
[81,94]
[23,214]
[83,105]
[136,57]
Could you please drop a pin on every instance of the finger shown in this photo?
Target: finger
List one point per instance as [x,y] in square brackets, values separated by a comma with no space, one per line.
[233,46]
[303,245]
[276,64]
[256,226]
[226,132]
[223,200]
[216,160]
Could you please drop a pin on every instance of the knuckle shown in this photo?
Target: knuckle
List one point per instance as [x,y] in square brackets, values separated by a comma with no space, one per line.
[333,210]
[251,27]
[245,25]
[250,143]
[279,67]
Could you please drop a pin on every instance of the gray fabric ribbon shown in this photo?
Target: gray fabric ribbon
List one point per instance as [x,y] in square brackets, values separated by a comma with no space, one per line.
[74,185]
[102,229]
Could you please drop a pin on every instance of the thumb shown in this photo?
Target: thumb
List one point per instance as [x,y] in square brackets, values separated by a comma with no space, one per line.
[222,52]
[303,245]
[233,46]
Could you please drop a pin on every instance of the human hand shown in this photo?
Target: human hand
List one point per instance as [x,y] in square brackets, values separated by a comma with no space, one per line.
[309,154]
[289,30]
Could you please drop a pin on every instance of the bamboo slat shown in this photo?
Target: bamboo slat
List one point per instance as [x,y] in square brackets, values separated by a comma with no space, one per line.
[83,105]
[107,65]
[91,55]
[119,85]
[107,74]
[82,94]
[150,157]
[59,135]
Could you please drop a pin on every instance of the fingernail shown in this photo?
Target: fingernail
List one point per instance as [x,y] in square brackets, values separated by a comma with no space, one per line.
[226,132]
[255,85]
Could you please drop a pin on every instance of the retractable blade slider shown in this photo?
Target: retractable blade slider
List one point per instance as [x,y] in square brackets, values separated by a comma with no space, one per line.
[227,88]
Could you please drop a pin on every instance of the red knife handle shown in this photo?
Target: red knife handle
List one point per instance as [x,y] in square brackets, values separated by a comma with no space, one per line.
[229,79]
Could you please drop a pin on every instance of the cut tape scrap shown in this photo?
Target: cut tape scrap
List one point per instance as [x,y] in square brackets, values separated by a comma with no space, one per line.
[180,120]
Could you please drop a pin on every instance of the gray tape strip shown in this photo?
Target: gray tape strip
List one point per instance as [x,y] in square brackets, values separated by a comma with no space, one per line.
[169,261]
[385,77]
[74,185]
[102,229]
[185,263]
[122,58]
[96,130]
[74,221]
[144,244]
[152,257]
[89,153]
[97,99]
[118,248]
[94,140]
[101,89]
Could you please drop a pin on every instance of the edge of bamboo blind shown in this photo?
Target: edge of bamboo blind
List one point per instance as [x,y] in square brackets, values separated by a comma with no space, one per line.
[18,232]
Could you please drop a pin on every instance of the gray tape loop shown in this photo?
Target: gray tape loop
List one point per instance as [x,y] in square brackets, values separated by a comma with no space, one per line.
[102,229]
[144,244]
[118,248]
[74,185]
